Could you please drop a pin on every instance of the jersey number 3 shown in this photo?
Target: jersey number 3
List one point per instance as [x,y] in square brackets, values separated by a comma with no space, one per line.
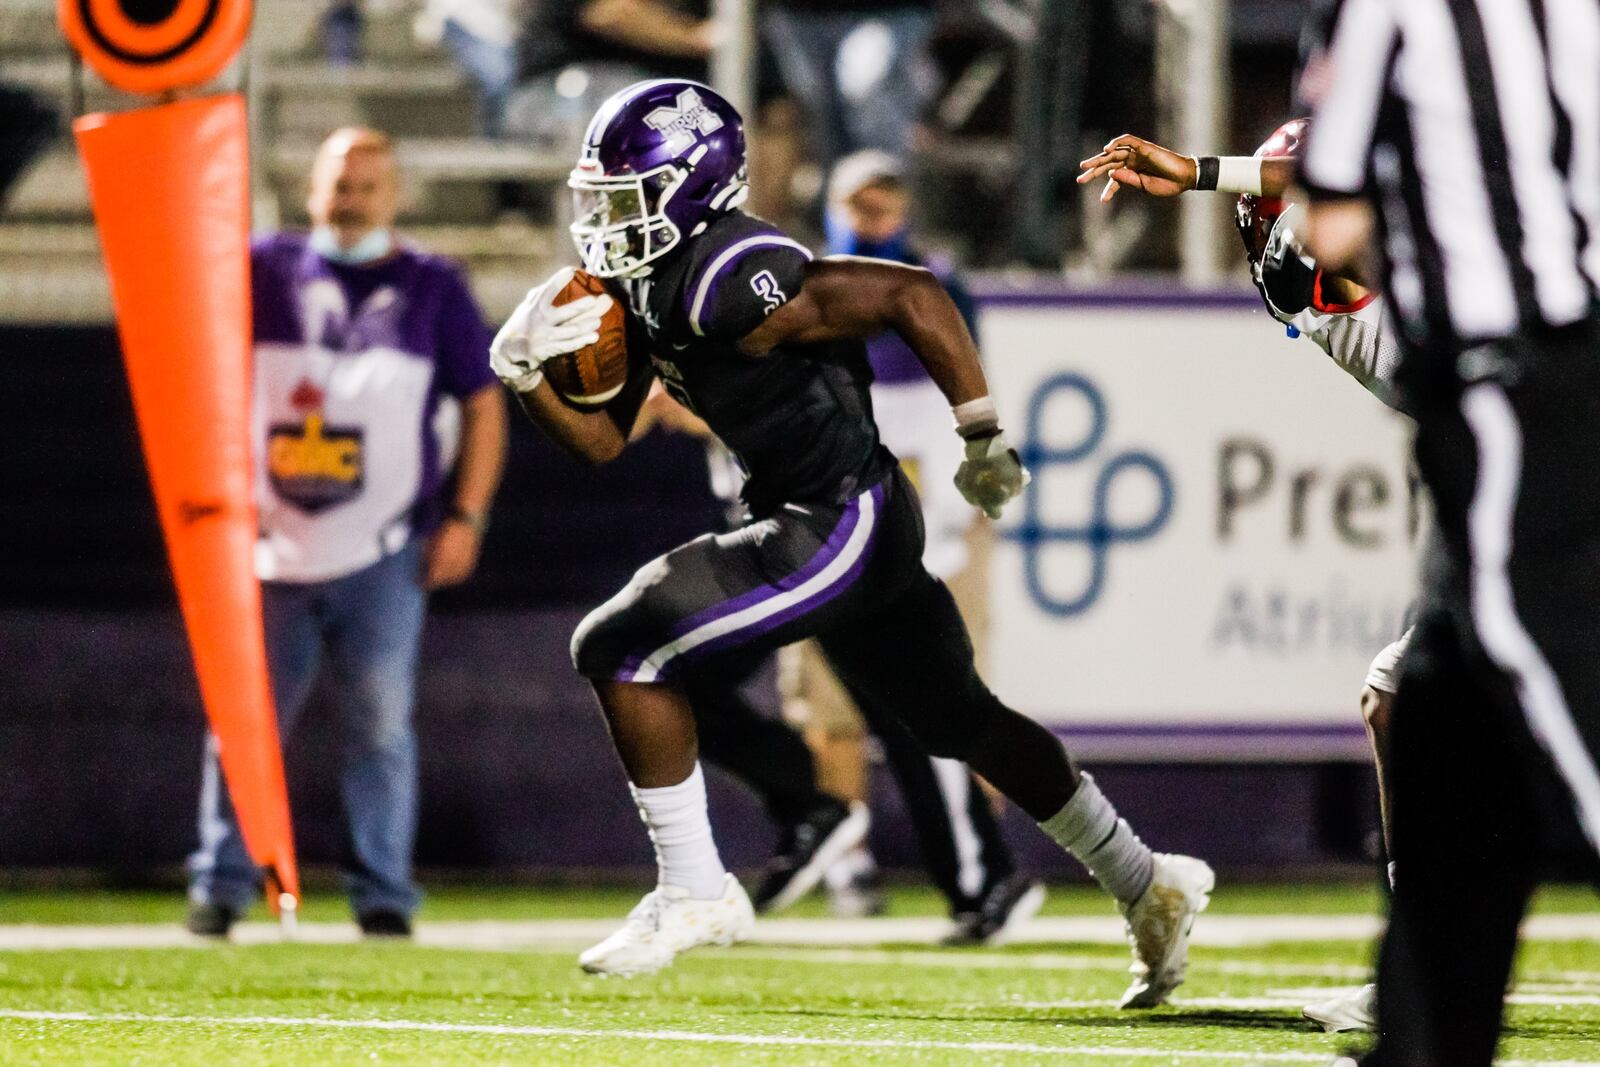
[766,287]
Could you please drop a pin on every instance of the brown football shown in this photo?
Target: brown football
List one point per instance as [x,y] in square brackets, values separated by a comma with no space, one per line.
[596,373]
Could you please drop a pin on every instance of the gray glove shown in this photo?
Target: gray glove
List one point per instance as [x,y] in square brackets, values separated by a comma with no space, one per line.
[991,475]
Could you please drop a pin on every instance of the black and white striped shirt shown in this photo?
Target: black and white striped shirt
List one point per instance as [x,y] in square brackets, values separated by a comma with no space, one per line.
[1475,126]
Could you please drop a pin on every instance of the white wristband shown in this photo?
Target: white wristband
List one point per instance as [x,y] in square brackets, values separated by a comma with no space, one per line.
[976,417]
[1239,174]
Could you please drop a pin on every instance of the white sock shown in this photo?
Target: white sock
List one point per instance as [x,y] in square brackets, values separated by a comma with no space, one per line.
[1391,875]
[847,868]
[1088,828]
[686,857]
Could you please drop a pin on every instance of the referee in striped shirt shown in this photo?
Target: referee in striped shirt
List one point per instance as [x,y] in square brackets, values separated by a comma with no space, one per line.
[1461,138]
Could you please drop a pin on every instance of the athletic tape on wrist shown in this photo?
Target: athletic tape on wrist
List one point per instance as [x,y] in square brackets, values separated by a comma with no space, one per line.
[1205,173]
[1238,174]
[976,418]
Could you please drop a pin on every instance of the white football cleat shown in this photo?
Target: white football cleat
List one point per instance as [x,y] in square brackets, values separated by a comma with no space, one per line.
[1355,1010]
[1159,924]
[669,921]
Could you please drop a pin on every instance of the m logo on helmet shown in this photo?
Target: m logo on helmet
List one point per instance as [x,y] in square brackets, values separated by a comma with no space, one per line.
[691,114]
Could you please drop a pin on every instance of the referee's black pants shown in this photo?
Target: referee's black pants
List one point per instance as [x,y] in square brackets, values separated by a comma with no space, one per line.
[1497,717]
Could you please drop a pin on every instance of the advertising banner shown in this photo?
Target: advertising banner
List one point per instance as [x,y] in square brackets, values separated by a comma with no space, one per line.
[1221,532]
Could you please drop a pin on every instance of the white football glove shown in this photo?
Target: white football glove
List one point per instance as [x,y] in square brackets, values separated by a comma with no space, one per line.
[991,475]
[539,331]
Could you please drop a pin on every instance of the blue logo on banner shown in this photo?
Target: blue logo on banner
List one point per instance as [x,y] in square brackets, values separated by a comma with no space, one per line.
[1100,534]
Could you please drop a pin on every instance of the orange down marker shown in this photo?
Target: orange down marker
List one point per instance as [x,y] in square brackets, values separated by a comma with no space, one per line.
[170,189]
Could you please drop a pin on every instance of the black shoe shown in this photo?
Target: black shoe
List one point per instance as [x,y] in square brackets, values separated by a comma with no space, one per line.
[210,920]
[1004,906]
[808,848]
[385,924]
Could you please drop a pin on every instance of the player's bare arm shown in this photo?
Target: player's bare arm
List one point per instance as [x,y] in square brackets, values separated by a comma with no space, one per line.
[594,436]
[848,297]
[1157,171]
[650,26]
[540,330]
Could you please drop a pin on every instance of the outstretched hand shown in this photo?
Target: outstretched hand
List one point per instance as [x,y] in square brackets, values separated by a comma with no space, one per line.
[1133,161]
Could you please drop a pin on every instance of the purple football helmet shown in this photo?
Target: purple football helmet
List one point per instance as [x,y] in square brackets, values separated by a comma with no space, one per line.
[660,159]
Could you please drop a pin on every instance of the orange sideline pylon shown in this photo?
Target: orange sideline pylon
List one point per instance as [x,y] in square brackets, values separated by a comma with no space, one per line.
[170,189]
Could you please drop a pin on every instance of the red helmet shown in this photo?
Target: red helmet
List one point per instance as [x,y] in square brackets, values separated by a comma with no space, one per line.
[1255,215]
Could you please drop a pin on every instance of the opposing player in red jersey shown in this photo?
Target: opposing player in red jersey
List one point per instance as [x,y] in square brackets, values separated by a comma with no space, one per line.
[1344,317]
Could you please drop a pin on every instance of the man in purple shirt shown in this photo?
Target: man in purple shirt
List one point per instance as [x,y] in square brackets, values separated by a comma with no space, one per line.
[379,439]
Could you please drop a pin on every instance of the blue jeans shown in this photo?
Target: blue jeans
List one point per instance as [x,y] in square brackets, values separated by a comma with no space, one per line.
[369,625]
[862,79]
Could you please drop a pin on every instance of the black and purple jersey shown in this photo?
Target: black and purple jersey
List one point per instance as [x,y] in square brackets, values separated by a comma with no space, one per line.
[798,419]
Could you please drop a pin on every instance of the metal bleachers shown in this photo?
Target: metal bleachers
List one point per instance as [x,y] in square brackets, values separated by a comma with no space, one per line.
[456,183]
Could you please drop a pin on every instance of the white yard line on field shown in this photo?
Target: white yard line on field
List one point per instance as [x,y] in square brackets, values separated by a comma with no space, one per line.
[1212,931]
[1037,961]
[526,937]
[693,1037]
[802,941]
[1217,931]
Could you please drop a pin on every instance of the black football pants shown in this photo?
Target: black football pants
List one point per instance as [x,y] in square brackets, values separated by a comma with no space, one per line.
[850,575]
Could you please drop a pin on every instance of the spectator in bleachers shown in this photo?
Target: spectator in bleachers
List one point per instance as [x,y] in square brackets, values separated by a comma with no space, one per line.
[482,36]
[380,438]
[576,53]
[344,28]
[858,67]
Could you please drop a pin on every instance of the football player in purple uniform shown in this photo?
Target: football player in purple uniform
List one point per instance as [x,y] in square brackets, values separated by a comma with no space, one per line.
[765,344]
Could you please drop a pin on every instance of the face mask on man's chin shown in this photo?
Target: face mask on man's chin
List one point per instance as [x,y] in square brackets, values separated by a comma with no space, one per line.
[373,246]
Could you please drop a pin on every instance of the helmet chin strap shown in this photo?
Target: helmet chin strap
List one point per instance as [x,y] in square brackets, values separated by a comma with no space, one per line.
[731,197]
[727,200]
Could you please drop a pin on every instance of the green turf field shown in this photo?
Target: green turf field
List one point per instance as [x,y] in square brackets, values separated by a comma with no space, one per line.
[788,1003]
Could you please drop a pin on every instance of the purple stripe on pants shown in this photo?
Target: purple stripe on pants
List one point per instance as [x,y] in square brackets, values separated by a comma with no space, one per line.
[819,560]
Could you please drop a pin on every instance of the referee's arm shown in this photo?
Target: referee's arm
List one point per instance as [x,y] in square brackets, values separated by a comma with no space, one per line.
[1343,83]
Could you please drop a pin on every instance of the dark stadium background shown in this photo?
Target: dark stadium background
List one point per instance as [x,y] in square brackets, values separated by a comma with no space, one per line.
[100,722]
